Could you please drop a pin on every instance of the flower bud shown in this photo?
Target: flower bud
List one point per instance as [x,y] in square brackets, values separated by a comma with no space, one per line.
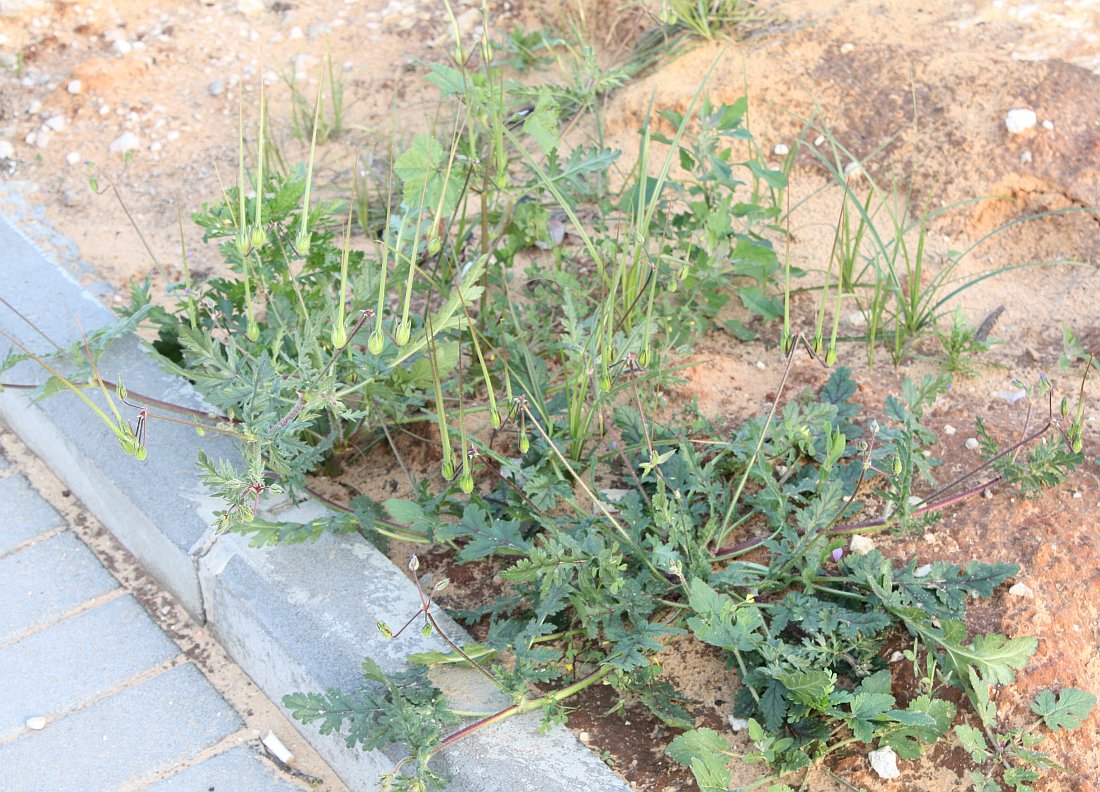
[426,630]
[302,242]
[253,331]
[448,467]
[414,563]
[466,482]
[401,335]
[643,357]
[605,381]
[258,236]
[494,417]
[376,342]
[524,443]
[434,246]
[339,336]
[243,242]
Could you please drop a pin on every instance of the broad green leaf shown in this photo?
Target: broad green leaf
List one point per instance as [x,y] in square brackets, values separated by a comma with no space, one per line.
[908,741]
[812,688]
[706,752]
[1071,707]
[720,621]
[542,122]
[973,741]
[404,511]
[423,170]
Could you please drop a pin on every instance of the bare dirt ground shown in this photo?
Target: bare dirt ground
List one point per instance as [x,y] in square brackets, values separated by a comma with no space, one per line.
[918,91]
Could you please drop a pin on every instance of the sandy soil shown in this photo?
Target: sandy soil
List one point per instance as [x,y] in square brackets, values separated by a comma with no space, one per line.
[917,91]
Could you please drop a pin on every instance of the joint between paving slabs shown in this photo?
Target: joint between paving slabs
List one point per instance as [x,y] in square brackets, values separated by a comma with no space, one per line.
[257,711]
[84,607]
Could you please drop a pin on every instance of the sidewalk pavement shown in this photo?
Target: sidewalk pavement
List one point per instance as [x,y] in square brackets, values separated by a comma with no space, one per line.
[123,708]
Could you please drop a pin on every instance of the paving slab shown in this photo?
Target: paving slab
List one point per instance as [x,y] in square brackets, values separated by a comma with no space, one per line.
[23,513]
[77,660]
[237,770]
[142,730]
[46,580]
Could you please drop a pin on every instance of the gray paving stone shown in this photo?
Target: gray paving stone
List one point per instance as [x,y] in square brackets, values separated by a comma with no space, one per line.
[46,580]
[77,660]
[237,770]
[23,513]
[143,730]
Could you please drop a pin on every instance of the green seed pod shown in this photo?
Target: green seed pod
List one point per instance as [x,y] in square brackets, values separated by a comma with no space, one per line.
[434,246]
[339,336]
[643,357]
[200,431]
[605,382]
[830,356]
[243,242]
[426,630]
[673,285]
[140,453]
[448,468]
[302,242]
[684,272]
[494,417]
[401,335]
[1078,444]
[897,465]
[524,443]
[253,331]
[385,629]
[258,236]
[466,482]
[376,343]
[1063,408]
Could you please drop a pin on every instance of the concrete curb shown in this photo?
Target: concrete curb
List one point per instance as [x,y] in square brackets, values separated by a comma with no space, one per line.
[297,618]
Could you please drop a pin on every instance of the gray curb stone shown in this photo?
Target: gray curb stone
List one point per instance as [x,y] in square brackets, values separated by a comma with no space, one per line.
[295,618]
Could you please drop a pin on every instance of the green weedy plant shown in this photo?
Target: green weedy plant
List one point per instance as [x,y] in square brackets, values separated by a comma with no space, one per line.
[595,589]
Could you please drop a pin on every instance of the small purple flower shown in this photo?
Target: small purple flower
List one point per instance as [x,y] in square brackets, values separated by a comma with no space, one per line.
[838,554]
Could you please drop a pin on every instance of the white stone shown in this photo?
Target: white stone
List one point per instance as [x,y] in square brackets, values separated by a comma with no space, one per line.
[847,47]
[1048,125]
[972,443]
[922,571]
[1020,120]
[127,141]
[781,149]
[74,87]
[55,123]
[897,657]
[295,33]
[37,723]
[861,545]
[7,150]
[1021,590]
[34,106]
[949,430]
[761,365]
[885,762]
[73,158]
[853,170]
[122,46]
[738,724]
[42,137]
[819,140]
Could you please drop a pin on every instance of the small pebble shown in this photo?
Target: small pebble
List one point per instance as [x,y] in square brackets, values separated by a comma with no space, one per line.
[861,545]
[56,123]
[7,150]
[127,141]
[74,87]
[73,158]
[122,46]
[922,571]
[761,365]
[819,140]
[738,724]
[1019,120]
[37,723]
[216,88]
[949,430]
[781,149]
[1077,494]
[853,171]
[897,657]
[847,47]
[1048,125]
[34,106]
[1025,157]
[1021,590]
[972,443]
[885,763]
